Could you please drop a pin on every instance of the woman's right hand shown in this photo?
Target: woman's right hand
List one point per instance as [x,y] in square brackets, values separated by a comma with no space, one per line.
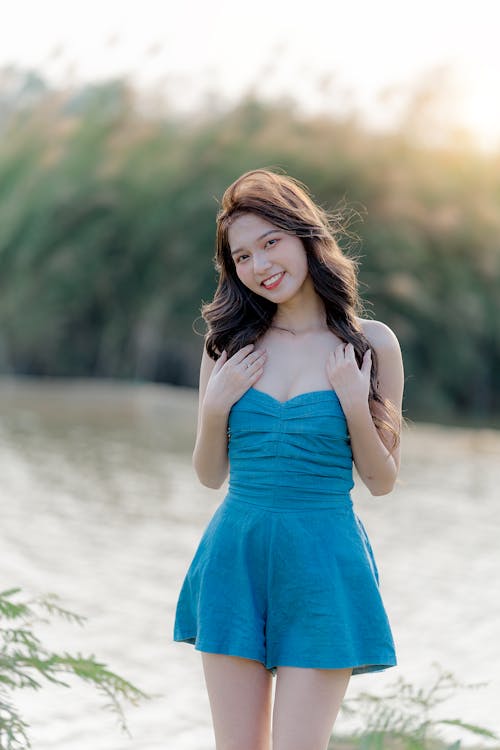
[230,378]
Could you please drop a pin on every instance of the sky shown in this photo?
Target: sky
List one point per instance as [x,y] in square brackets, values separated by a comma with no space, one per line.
[325,54]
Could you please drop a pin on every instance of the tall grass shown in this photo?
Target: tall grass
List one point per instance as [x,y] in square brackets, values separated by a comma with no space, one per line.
[107,216]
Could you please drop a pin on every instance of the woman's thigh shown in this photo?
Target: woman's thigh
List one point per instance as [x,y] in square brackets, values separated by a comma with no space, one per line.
[306,704]
[240,695]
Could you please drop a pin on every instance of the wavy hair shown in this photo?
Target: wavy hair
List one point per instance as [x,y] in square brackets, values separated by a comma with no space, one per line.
[237,316]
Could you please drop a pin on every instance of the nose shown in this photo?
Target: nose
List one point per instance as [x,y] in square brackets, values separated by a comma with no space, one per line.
[261,262]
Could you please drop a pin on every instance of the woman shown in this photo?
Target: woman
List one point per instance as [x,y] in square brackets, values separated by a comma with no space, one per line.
[294,388]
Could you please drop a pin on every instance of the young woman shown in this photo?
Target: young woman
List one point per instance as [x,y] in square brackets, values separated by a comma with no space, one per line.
[294,388]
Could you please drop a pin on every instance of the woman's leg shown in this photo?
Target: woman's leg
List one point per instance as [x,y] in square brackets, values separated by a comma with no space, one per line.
[240,695]
[306,704]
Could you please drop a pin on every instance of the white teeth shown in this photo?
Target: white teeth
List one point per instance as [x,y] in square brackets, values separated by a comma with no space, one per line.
[272,280]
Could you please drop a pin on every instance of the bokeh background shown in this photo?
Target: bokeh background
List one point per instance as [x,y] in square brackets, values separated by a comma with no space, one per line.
[121,125]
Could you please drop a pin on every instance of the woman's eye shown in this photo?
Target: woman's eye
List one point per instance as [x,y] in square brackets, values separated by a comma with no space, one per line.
[271,241]
[241,257]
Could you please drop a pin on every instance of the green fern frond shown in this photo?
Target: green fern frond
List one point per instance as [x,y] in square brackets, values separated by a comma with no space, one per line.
[24,661]
[405,714]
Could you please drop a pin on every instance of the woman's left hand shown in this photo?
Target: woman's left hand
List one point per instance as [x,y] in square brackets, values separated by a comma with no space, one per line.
[350,383]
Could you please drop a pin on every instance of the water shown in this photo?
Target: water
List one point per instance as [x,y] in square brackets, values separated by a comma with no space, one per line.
[100,506]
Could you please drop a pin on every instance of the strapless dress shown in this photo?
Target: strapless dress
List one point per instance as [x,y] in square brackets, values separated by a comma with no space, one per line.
[284,572]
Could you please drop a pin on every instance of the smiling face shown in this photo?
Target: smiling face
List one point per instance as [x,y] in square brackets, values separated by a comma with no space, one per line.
[268,260]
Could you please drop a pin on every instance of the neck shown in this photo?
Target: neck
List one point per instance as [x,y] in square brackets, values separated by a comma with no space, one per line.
[301,314]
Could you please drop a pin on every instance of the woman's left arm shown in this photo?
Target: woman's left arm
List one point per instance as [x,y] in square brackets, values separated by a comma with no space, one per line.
[370,446]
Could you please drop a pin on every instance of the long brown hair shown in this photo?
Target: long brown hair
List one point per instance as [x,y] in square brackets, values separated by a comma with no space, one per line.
[237,316]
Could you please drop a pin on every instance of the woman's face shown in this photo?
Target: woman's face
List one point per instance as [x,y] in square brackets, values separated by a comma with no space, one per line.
[268,260]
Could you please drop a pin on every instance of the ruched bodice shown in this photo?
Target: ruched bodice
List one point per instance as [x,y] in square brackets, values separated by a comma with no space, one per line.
[291,454]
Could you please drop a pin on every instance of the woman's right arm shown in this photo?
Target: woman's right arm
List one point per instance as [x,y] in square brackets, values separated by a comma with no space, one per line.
[222,383]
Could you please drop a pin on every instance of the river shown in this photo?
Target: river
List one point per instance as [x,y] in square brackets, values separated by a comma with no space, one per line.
[100,505]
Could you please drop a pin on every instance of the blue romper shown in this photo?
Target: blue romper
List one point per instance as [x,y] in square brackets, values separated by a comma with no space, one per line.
[284,572]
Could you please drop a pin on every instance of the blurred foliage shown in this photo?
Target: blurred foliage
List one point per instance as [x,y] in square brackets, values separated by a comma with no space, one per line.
[407,717]
[24,661]
[107,215]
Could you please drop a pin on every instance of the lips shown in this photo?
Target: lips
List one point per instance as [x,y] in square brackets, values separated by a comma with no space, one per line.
[272,281]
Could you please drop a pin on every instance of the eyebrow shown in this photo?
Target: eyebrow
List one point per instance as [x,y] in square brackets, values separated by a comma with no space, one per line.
[270,231]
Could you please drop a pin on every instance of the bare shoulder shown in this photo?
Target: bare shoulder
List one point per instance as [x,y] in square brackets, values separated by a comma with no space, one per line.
[379,335]
[206,366]
[390,375]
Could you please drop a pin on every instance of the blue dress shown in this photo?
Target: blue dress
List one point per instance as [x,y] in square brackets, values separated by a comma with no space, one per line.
[284,572]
